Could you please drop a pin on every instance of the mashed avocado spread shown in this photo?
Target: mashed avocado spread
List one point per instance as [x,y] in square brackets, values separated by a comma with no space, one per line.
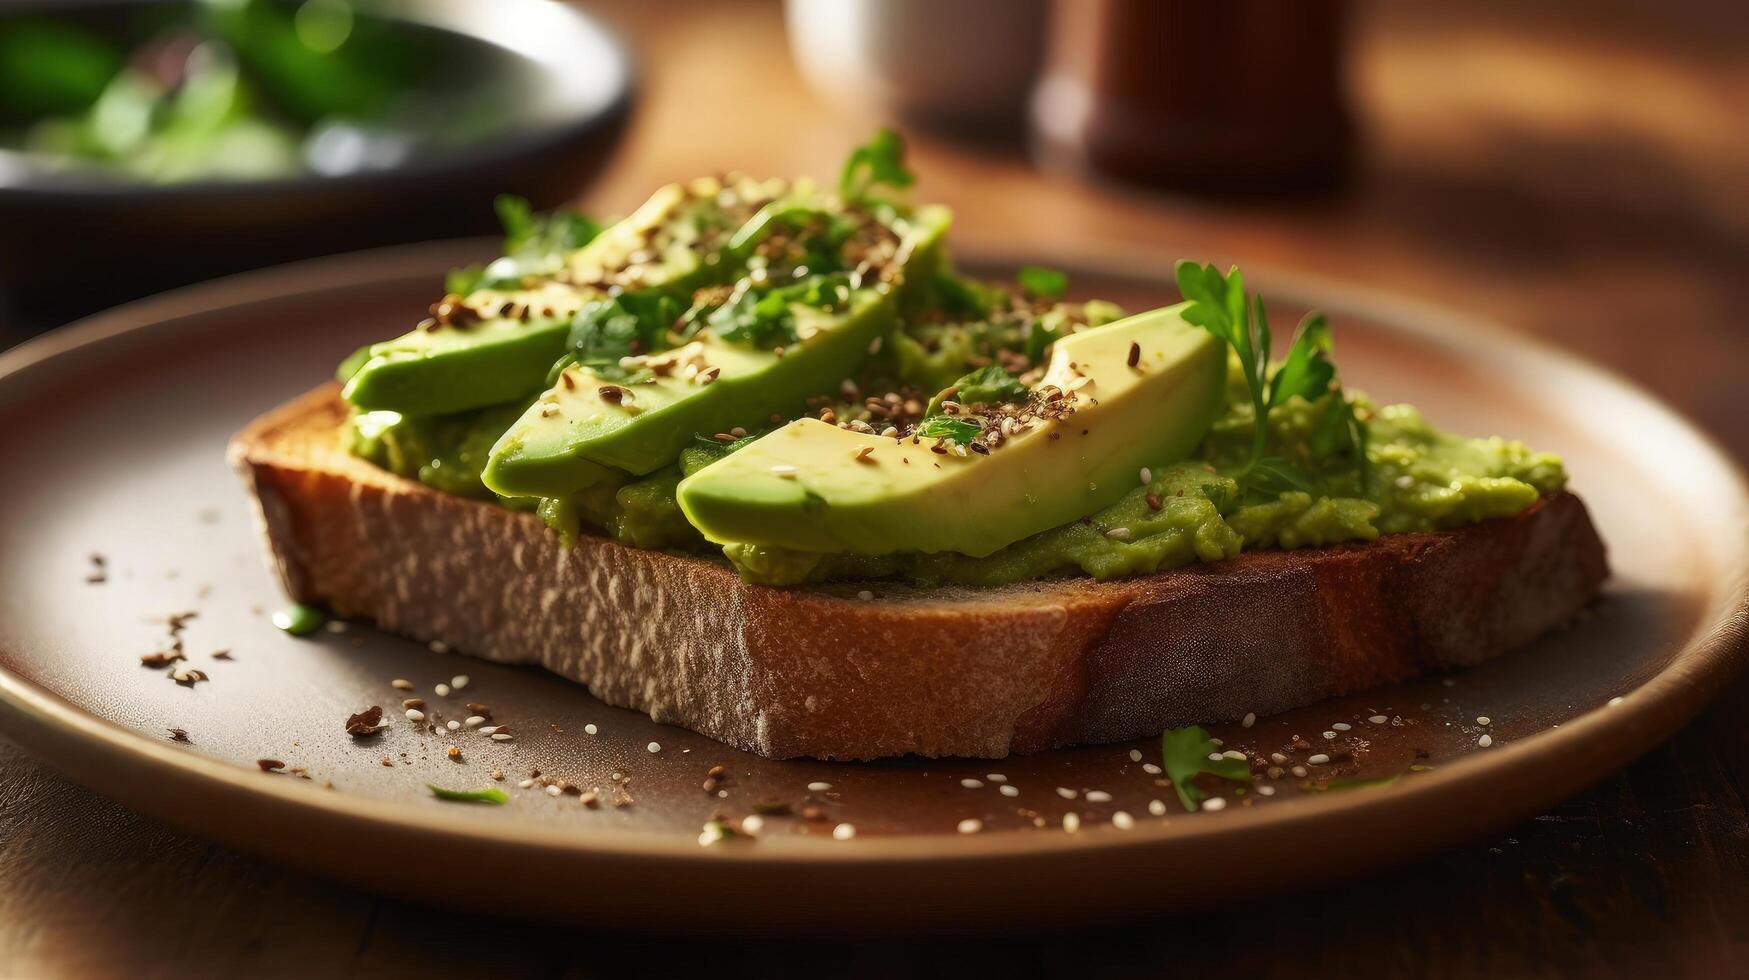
[1421,479]
[705,341]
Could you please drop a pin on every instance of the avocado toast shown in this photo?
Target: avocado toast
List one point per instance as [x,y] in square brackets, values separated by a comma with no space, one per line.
[758,461]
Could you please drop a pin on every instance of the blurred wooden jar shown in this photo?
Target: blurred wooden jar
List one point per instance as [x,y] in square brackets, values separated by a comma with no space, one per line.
[1236,95]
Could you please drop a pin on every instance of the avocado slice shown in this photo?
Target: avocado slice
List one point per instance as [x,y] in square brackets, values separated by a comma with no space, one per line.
[588,427]
[810,486]
[476,355]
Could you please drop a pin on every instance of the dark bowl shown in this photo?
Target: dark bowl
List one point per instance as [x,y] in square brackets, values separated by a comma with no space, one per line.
[73,241]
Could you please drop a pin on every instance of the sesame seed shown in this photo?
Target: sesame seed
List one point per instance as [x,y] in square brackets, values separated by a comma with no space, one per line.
[473,721]
[1342,726]
[414,714]
[1319,759]
[1135,755]
[819,787]
[996,777]
[1157,808]
[438,646]
[401,684]
[1071,822]
[843,831]
[489,730]
[1147,476]
[1378,719]
[752,823]
[1214,803]
[1215,757]
[590,729]
[452,724]
[1278,758]
[654,747]
[1266,790]
[1485,741]
[501,736]
[1150,769]
[1007,790]
[1614,701]
[1329,734]
[526,784]
[971,825]
[1299,771]
[555,789]
[590,799]
[1118,534]
[1484,720]
[1122,820]
[1098,796]
[1249,719]
[784,471]
[459,681]
[442,690]
[1066,793]
[971,783]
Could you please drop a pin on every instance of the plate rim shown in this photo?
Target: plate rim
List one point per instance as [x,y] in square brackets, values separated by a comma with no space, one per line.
[59,732]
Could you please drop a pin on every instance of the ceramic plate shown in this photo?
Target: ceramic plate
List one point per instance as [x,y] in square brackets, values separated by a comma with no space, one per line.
[119,513]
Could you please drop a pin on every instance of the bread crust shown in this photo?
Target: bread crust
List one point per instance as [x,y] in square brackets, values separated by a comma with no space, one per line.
[942,672]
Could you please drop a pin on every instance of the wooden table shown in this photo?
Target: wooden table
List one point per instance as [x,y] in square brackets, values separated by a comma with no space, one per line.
[1578,171]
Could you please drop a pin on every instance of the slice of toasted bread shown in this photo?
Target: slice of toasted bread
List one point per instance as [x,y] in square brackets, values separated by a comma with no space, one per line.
[942,672]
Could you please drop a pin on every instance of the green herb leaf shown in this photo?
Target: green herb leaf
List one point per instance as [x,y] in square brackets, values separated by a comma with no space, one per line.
[1351,782]
[491,794]
[1186,753]
[1042,283]
[631,323]
[764,319]
[1038,339]
[534,245]
[1306,371]
[879,162]
[464,280]
[989,385]
[1218,304]
[963,299]
[948,427]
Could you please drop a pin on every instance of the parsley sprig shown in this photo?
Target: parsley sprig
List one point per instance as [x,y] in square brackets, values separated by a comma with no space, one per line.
[877,163]
[1189,752]
[534,245]
[1219,304]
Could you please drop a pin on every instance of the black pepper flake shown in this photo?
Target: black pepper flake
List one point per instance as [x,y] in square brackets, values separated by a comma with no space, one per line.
[1135,354]
[270,765]
[612,394]
[180,735]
